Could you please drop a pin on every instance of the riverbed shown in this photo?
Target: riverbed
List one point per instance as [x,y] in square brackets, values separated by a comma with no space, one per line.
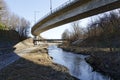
[76,64]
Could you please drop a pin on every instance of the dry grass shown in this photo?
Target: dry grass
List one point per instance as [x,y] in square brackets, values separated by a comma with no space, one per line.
[35,66]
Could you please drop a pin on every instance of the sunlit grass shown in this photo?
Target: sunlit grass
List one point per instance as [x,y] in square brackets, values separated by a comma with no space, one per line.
[35,66]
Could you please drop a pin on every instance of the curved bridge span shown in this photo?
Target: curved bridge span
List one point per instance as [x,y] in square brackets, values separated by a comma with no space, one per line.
[73,10]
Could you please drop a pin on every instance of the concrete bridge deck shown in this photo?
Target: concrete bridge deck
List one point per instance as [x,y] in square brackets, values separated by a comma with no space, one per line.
[71,11]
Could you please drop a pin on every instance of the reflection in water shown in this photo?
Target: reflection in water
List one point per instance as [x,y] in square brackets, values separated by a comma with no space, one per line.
[76,64]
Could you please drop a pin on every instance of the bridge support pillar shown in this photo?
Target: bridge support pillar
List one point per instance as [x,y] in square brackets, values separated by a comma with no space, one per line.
[35,40]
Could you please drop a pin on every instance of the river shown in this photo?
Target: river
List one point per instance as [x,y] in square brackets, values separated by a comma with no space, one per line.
[76,64]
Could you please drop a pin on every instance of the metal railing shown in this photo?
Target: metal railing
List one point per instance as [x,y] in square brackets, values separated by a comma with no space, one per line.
[58,8]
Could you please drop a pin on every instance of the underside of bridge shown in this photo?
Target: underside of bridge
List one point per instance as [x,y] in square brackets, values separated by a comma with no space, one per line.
[78,9]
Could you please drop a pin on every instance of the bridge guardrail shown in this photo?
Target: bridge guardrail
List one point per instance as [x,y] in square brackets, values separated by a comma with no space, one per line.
[67,3]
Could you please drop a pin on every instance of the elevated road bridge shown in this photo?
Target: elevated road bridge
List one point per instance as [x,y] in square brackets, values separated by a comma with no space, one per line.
[73,10]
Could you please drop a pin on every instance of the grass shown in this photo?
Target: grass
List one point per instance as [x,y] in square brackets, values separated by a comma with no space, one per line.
[35,66]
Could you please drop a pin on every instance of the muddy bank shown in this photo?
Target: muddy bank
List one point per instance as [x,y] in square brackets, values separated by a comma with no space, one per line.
[107,63]
[35,65]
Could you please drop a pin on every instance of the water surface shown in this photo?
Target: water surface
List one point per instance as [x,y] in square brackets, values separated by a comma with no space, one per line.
[76,64]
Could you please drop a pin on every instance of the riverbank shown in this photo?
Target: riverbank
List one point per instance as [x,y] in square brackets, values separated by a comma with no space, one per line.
[107,63]
[35,65]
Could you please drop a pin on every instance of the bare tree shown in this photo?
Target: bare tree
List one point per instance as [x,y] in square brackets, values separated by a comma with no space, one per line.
[76,33]
[66,35]
[3,12]
[11,21]
[24,26]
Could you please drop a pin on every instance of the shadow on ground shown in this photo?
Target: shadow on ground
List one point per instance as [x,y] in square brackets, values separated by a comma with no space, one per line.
[24,69]
[30,67]
[9,38]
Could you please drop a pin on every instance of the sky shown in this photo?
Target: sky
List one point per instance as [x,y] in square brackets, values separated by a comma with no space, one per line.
[33,10]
